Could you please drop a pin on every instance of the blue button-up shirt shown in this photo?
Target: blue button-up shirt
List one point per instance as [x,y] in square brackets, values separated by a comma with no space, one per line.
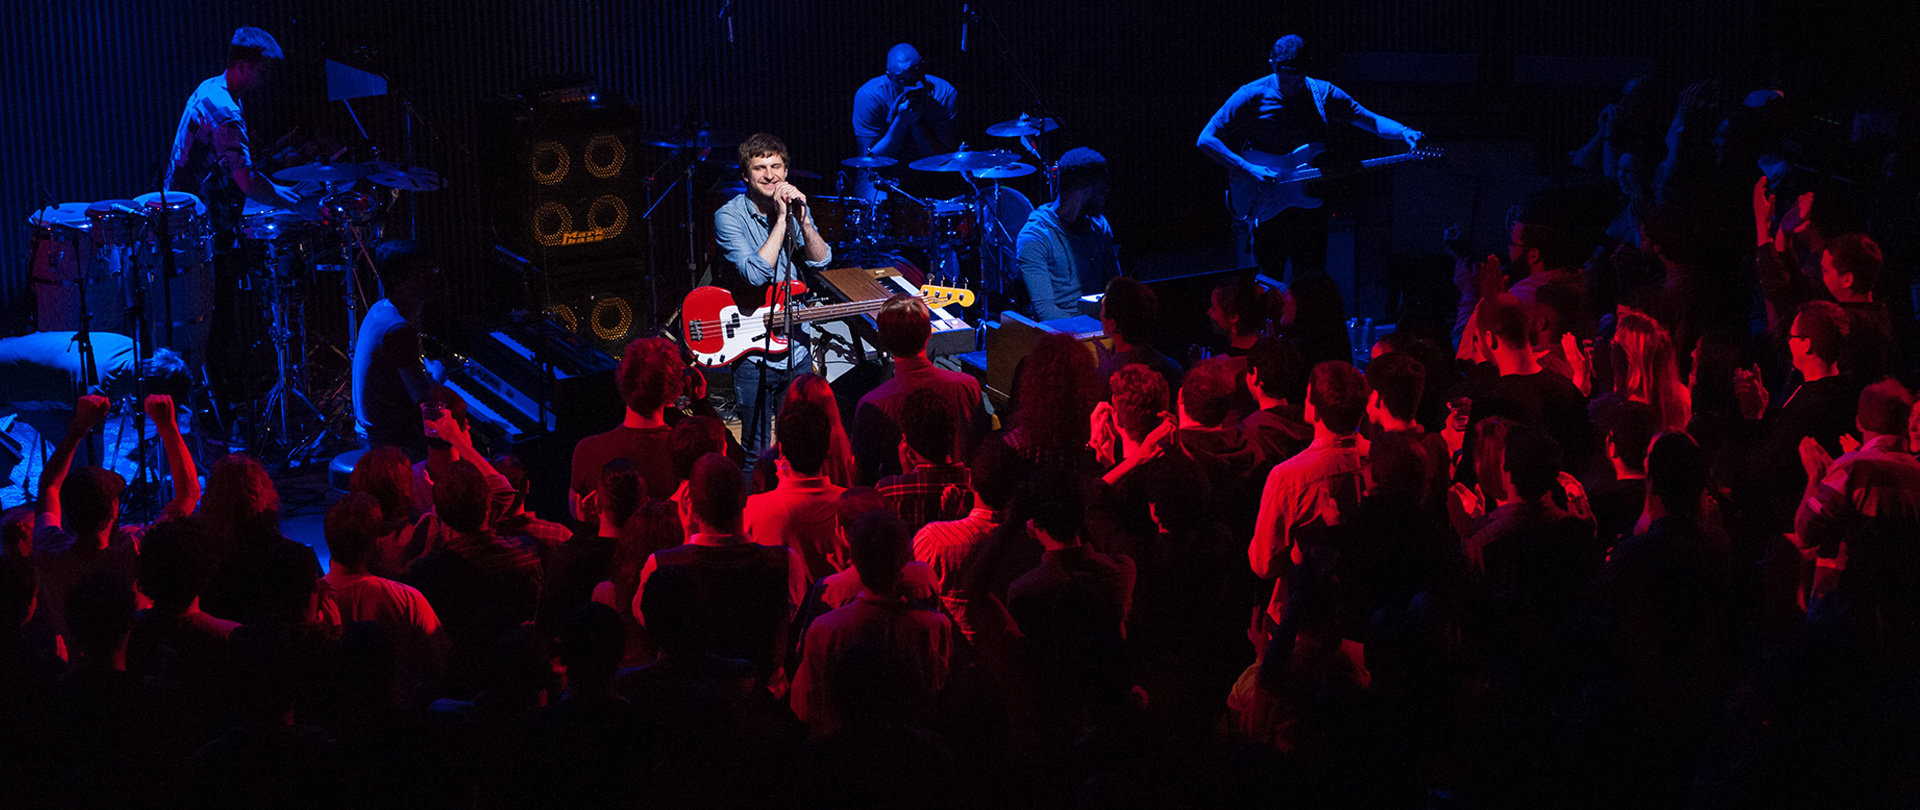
[742,229]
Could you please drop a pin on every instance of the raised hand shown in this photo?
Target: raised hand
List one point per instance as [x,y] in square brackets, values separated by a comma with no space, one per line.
[90,412]
[159,408]
[1748,391]
[1814,459]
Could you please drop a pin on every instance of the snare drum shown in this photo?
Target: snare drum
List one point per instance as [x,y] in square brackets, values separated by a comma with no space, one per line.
[63,258]
[941,222]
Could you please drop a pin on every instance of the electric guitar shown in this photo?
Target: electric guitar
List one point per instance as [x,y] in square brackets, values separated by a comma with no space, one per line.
[1255,200]
[718,333]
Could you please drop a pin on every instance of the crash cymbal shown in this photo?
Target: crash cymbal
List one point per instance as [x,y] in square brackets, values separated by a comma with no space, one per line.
[324,172]
[1007,171]
[406,178]
[694,138]
[868,162]
[1024,125]
[964,161]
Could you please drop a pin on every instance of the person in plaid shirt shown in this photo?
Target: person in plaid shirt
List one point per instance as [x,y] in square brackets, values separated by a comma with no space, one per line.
[935,487]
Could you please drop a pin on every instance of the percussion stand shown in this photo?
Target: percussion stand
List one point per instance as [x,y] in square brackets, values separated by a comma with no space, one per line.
[284,387]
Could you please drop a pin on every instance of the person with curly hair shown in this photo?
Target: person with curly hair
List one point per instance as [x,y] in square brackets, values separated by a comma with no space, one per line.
[650,378]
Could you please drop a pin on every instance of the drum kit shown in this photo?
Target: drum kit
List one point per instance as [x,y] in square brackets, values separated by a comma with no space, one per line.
[882,221]
[104,266]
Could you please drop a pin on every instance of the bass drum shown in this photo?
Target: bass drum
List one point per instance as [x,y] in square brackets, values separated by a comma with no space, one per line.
[1003,212]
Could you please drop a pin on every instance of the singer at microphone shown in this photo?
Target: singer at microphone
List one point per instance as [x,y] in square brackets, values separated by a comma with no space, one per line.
[765,233]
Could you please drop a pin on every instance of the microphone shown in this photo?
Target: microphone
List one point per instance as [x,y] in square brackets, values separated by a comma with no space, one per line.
[123,208]
[966,12]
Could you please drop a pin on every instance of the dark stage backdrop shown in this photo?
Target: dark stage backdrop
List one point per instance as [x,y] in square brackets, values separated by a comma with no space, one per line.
[93,90]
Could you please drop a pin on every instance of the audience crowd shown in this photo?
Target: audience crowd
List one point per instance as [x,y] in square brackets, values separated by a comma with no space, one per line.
[1640,528]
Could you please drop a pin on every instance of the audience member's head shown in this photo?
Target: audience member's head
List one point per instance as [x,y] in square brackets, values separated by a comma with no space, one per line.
[675,606]
[176,565]
[620,490]
[1276,368]
[288,578]
[510,468]
[16,531]
[1319,312]
[1850,266]
[1532,461]
[1337,397]
[99,615]
[693,437]
[1132,308]
[1504,323]
[1630,427]
[592,643]
[460,497]
[1652,371]
[1240,306]
[1818,335]
[1139,397]
[805,437]
[718,493]
[241,506]
[386,474]
[90,500]
[927,425]
[996,473]
[1053,504]
[1546,234]
[655,527]
[880,543]
[1206,393]
[651,375]
[166,372]
[1057,393]
[1673,234]
[352,528]
[19,585]
[1884,407]
[905,324]
[1676,473]
[854,504]
[1397,381]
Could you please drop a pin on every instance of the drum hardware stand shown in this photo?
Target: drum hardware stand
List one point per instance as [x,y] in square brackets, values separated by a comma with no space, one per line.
[653,245]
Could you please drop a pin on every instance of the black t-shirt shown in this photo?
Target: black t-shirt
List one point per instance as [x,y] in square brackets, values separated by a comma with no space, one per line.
[1543,399]
[650,449]
[1617,505]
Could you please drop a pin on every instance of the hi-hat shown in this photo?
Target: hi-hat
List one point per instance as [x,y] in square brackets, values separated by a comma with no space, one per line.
[868,162]
[324,172]
[964,161]
[1024,125]
[1008,171]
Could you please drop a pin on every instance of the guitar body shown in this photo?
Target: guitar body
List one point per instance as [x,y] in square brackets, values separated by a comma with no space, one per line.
[718,333]
[1258,200]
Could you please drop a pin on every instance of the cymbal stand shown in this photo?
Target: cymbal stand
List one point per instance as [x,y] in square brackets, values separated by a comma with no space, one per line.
[289,373]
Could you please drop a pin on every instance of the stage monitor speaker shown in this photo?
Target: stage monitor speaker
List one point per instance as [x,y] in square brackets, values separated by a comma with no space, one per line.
[563,178]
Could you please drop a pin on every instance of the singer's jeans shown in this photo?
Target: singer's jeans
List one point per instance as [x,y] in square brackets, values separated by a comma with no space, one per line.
[759,385]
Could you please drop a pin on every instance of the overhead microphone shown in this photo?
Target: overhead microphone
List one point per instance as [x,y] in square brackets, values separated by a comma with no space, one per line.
[966,12]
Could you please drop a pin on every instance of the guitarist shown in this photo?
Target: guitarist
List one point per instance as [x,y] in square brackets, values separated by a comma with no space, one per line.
[763,232]
[1277,113]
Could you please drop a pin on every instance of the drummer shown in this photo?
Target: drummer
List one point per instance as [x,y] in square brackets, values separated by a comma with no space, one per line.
[212,158]
[906,114]
[211,155]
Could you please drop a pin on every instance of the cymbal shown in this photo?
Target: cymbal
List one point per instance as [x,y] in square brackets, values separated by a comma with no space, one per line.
[964,161]
[868,162]
[324,172]
[694,138]
[1024,125]
[1007,171]
[406,178]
